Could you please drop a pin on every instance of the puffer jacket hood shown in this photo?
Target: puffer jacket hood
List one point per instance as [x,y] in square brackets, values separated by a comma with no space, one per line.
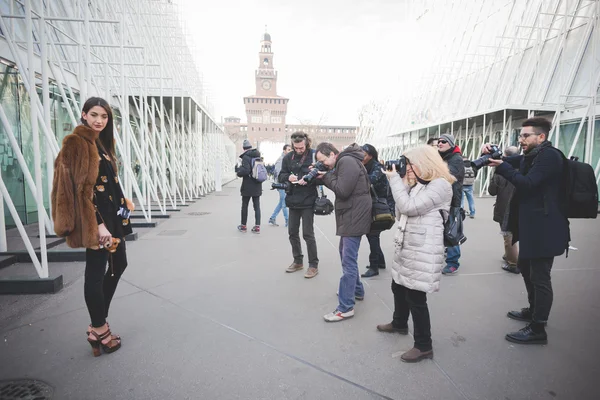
[252,153]
[352,151]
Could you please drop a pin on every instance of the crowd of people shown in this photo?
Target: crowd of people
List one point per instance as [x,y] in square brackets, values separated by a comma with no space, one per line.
[421,191]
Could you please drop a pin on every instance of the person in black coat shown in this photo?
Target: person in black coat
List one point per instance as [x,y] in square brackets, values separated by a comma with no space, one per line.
[537,220]
[251,188]
[380,185]
[300,201]
[451,154]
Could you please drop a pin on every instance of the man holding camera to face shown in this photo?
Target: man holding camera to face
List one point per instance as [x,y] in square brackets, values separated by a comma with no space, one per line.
[537,221]
[300,199]
[349,180]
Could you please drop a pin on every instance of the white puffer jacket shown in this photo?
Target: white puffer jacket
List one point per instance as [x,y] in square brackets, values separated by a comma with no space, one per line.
[419,253]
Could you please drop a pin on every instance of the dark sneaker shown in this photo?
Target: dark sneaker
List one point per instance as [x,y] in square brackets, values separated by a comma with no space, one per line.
[416,355]
[242,228]
[370,272]
[294,267]
[256,229]
[389,328]
[534,333]
[511,268]
[449,270]
[272,222]
[311,272]
[472,216]
[524,315]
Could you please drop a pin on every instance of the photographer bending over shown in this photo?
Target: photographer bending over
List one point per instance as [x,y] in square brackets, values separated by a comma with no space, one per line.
[420,192]
[349,180]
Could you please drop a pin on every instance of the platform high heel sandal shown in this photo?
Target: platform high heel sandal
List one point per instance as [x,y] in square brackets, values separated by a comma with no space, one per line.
[97,346]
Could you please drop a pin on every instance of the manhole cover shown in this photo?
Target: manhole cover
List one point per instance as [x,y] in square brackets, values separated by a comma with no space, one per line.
[198,213]
[27,389]
[172,232]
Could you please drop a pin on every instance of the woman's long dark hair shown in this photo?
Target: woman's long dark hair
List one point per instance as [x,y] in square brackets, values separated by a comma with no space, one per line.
[106,139]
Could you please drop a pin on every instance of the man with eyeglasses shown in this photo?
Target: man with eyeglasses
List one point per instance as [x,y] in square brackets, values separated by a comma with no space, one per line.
[300,201]
[537,220]
[451,154]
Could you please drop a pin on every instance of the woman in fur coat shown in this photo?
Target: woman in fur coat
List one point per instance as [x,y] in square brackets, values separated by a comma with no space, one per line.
[89,209]
[420,195]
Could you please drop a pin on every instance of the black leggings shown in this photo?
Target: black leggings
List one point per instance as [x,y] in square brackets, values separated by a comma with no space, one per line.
[100,284]
[256,204]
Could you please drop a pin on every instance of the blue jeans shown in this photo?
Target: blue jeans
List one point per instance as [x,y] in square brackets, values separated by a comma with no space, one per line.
[452,256]
[280,206]
[468,191]
[350,284]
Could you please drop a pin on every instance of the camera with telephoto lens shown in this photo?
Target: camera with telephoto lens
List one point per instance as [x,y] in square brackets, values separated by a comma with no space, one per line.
[400,166]
[287,186]
[313,173]
[495,154]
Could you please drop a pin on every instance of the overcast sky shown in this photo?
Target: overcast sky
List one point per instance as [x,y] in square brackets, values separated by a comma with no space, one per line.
[332,57]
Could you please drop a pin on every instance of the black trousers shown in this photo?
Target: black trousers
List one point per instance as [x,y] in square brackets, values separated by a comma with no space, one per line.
[308,233]
[536,274]
[376,258]
[255,204]
[101,283]
[408,301]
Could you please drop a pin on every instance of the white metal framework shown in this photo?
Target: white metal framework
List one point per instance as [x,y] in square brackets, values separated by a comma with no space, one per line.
[497,63]
[137,55]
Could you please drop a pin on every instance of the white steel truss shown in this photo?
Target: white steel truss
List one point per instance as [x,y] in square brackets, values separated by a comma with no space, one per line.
[497,64]
[137,55]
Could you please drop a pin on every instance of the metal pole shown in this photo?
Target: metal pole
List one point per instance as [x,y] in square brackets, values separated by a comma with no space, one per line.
[3,244]
[46,106]
[36,141]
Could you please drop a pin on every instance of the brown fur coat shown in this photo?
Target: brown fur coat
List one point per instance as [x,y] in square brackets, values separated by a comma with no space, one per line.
[75,173]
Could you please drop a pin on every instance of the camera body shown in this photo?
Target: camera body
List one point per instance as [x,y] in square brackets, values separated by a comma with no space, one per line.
[287,186]
[313,173]
[495,154]
[400,164]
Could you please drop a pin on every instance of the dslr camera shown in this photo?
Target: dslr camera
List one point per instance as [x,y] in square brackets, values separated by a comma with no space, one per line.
[287,186]
[313,173]
[495,154]
[400,166]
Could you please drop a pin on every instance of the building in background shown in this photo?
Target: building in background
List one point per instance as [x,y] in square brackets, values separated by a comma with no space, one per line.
[266,113]
[499,64]
[135,54]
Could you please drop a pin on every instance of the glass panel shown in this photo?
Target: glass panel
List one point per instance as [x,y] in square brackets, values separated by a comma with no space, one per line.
[567,136]
[12,175]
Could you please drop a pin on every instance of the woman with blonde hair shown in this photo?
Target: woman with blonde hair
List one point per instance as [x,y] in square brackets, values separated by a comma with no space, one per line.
[421,196]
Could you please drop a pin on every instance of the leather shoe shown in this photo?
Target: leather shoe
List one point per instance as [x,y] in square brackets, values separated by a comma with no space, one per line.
[389,328]
[534,333]
[524,315]
[370,272]
[416,355]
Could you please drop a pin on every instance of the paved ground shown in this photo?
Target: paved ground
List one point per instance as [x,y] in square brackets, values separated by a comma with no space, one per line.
[208,313]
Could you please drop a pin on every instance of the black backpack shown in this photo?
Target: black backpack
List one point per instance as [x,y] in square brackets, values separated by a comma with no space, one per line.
[581,189]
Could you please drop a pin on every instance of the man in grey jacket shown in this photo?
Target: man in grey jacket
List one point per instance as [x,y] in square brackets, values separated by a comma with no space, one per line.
[281,205]
[348,179]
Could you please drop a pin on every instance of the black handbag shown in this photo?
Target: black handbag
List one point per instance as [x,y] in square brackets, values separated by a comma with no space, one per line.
[383,217]
[453,227]
[323,206]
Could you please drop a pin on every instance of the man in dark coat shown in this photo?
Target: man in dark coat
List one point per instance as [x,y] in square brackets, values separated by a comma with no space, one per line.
[251,188]
[300,201]
[537,220]
[450,153]
[380,185]
[349,180]
[504,191]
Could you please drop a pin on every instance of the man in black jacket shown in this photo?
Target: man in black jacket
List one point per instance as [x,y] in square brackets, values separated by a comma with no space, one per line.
[251,188]
[380,184]
[537,220]
[300,201]
[450,153]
